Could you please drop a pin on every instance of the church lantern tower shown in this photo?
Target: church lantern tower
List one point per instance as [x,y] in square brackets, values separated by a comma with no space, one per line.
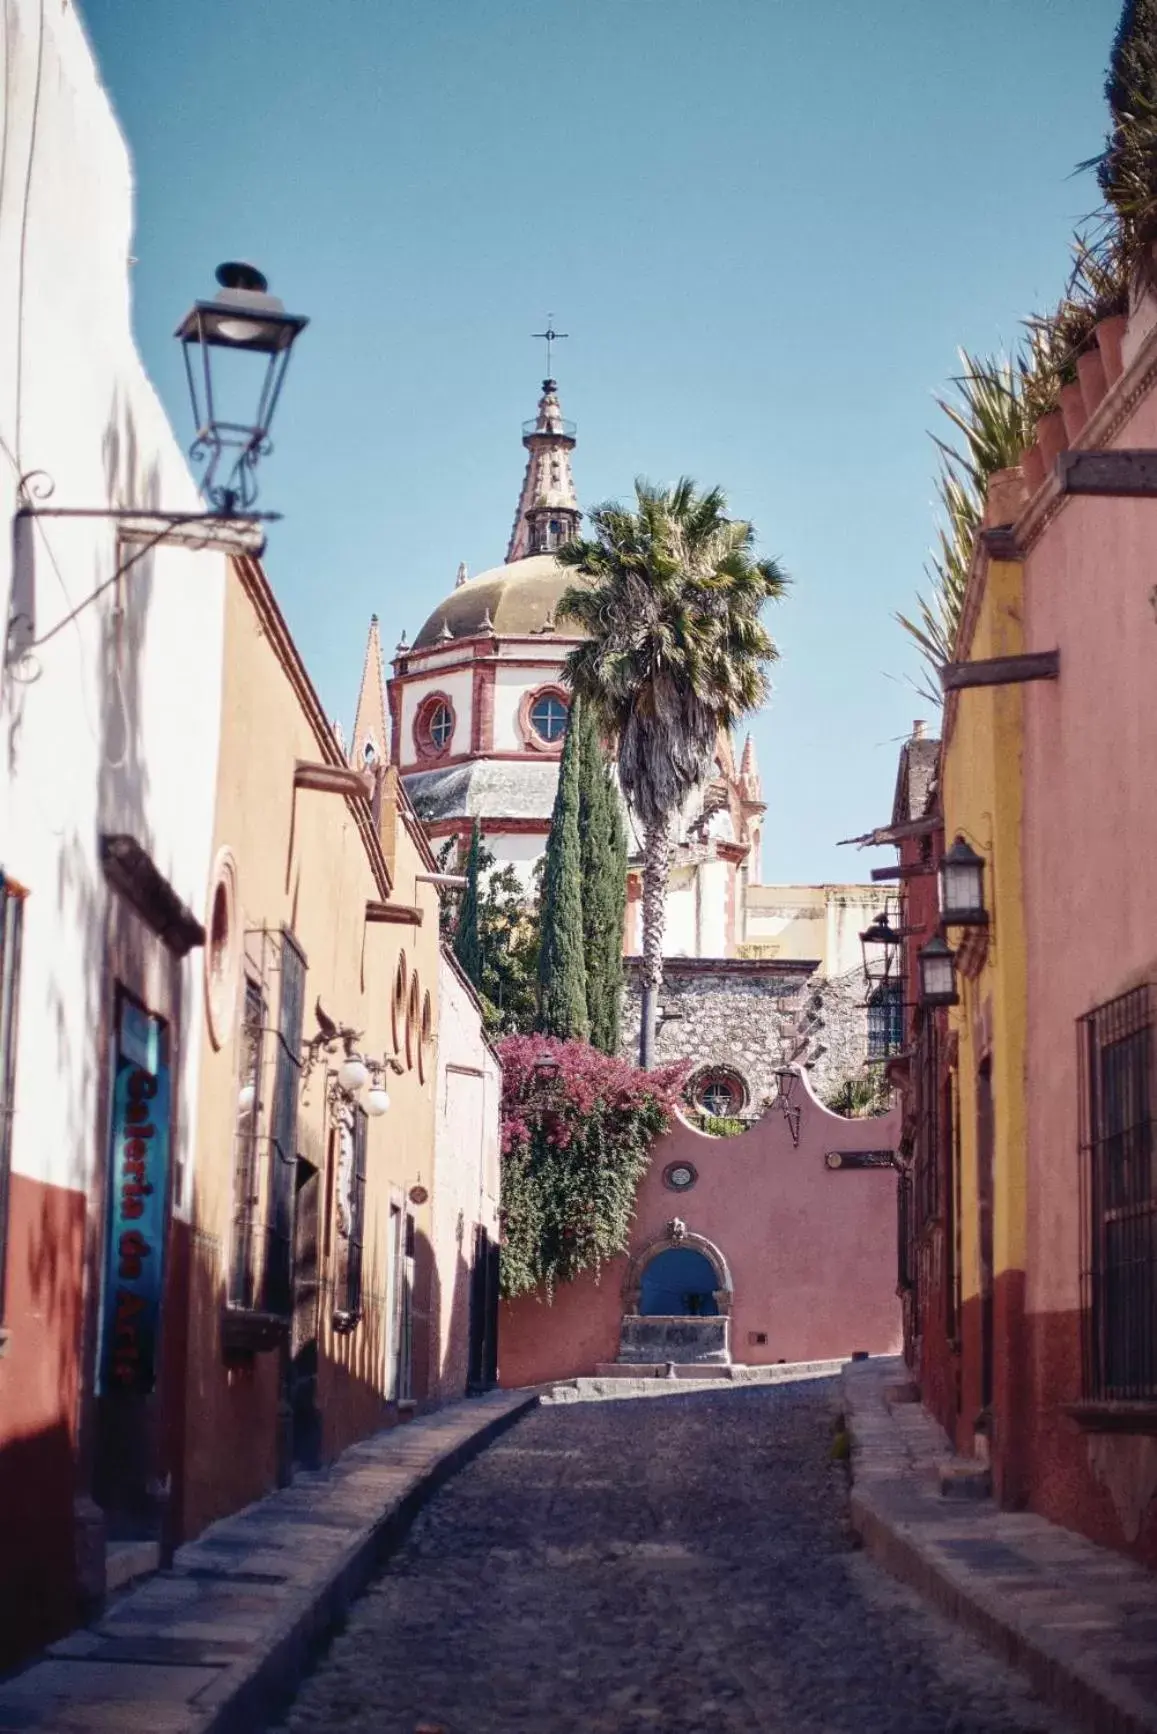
[548,511]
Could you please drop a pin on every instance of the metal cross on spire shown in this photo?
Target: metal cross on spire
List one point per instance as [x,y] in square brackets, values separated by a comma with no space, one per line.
[550,336]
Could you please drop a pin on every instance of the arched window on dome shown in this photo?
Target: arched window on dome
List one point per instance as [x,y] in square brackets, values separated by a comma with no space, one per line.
[434,726]
[548,714]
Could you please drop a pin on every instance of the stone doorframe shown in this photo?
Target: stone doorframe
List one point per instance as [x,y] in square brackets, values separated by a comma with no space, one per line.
[667,1242]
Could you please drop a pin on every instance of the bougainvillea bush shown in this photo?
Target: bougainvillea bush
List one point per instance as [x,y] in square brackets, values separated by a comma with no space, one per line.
[577,1130]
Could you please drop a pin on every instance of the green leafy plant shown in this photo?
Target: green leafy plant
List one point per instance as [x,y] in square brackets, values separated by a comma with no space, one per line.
[722,1125]
[577,1131]
[859,1096]
[1127,168]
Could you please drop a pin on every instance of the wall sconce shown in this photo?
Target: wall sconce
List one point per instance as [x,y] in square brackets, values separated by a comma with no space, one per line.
[962,887]
[937,974]
[377,1100]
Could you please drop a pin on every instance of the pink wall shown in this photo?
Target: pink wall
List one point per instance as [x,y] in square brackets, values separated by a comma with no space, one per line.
[1090,841]
[812,1251]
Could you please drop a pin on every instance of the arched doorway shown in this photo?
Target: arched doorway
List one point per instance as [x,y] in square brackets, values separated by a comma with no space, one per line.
[679,1283]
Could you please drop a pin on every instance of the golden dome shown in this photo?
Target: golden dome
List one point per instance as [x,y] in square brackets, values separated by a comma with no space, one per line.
[512,601]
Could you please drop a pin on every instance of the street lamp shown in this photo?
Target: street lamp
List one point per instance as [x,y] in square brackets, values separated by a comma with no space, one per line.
[880,944]
[962,887]
[937,973]
[244,319]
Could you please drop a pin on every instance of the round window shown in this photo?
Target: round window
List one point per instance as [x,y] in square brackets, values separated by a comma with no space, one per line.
[718,1093]
[434,726]
[548,717]
[680,1176]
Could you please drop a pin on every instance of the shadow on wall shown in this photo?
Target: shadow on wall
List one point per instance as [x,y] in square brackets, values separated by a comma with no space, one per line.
[56,1240]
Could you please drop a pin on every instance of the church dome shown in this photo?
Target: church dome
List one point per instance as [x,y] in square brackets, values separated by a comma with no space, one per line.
[512,601]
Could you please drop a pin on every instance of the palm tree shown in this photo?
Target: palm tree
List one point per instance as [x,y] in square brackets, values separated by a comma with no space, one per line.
[669,597]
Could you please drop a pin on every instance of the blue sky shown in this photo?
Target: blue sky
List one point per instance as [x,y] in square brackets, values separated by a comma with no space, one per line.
[767,225]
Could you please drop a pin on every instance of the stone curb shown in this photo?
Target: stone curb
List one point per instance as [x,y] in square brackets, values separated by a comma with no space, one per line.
[1050,1603]
[241,1695]
[607,1388]
[271,1682]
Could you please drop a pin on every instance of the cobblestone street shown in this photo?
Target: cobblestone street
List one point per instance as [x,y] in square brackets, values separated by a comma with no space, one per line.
[679,1564]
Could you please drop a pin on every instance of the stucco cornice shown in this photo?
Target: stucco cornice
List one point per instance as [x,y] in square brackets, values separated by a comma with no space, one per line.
[273,625]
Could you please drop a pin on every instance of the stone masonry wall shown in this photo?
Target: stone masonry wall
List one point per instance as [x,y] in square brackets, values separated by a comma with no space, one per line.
[747,1022]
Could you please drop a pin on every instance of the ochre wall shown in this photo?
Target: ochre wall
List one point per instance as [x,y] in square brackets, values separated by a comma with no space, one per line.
[981,793]
[811,1250]
[302,861]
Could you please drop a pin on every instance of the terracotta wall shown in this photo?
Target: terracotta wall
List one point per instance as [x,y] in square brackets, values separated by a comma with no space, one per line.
[1090,839]
[811,1249]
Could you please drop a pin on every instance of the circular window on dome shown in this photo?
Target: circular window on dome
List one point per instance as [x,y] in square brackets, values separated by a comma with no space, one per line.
[547,715]
[718,1092]
[434,726]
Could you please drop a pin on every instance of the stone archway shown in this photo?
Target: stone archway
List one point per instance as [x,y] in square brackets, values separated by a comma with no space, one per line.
[656,1340]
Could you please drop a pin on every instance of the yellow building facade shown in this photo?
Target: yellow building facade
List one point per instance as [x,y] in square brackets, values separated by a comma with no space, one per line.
[983,1102]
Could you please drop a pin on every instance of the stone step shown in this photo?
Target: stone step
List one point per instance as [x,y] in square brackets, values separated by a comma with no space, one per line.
[662,1370]
[964,1480]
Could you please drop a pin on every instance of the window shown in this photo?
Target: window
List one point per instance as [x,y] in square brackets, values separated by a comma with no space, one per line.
[426,1038]
[350,1309]
[246,1178]
[1119,1198]
[719,1092]
[548,716]
[11,933]
[413,1014]
[680,1176]
[434,726]
[885,1020]
[398,1004]
[265,1161]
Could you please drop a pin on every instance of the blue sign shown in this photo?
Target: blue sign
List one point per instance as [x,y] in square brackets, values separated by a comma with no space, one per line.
[138,1188]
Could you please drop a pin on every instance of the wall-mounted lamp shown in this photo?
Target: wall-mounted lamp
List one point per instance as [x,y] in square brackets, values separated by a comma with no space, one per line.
[880,944]
[243,319]
[937,973]
[962,887]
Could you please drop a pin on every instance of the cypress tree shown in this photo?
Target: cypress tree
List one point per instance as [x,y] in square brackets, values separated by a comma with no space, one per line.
[562,985]
[467,941]
[604,885]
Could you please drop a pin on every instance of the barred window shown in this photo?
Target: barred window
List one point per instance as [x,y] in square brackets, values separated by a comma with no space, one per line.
[885,1020]
[11,934]
[350,1308]
[1119,1198]
[265,1137]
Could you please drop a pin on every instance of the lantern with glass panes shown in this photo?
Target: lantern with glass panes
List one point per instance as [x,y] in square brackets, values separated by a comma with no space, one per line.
[243,320]
[881,944]
[962,887]
[937,966]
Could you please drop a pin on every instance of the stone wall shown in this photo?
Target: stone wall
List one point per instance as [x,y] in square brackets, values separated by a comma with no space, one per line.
[749,1015]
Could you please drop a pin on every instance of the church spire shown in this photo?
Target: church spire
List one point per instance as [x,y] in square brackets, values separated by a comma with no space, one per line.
[370,743]
[548,513]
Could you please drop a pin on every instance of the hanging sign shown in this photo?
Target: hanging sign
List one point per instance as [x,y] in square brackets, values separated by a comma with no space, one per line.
[138,1187]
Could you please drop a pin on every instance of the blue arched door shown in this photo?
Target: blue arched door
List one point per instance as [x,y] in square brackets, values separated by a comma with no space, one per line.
[679,1283]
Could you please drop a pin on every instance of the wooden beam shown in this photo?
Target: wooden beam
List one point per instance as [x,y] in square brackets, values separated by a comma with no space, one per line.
[330,779]
[1118,475]
[913,870]
[407,914]
[885,834]
[1001,670]
[1001,543]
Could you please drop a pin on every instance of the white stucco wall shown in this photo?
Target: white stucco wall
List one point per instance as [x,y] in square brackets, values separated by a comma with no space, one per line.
[713,876]
[511,686]
[518,849]
[458,686]
[466,1171]
[114,725]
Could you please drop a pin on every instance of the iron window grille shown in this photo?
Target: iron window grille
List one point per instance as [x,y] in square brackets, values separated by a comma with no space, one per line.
[1118,1199]
[11,937]
[349,1311]
[885,1020]
[265,1141]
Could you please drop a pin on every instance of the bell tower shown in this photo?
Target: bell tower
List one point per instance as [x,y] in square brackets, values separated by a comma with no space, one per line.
[548,511]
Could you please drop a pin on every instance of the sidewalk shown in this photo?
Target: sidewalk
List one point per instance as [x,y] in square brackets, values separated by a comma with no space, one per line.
[1080,1619]
[220,1641]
